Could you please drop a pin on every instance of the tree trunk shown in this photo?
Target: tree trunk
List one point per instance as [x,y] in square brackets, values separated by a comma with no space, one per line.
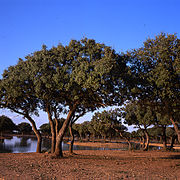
[56,122]
[164,138]
[129,145]
[143,142]
[37,133]
[110,138]
[93,138]
[104,137]
[175,128]
[173,141]
[57,125]
[53,133]
[147,141]
[81,137]
[59,138]
[72,138]
[127,139]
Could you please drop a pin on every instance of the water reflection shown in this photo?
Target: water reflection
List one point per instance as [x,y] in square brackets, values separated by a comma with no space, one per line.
[26,144]
[18,145]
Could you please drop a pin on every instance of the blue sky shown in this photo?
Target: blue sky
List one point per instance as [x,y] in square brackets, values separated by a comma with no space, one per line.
[122,24]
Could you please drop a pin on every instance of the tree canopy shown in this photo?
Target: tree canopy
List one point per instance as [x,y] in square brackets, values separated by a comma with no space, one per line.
[24,128]
[85,75]
[156,71]
[6,124]
[82,75]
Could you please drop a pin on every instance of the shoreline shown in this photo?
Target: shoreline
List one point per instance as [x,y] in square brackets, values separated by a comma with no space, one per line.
[117,145]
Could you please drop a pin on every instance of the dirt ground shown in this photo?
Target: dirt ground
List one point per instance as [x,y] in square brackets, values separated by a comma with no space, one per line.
[102,145]
[119,145]
[93,164]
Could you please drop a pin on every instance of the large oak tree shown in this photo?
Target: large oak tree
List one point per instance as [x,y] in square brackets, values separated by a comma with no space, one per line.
[82,75]
[156,70]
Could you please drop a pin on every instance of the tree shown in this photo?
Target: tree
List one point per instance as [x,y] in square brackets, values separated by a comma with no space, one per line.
[92,130]
[79,113]
[41,66]
[6,124]
[108,122]
[172,134]
[45,129]
[24,128]
[162,121]
[91,81]
[140,116]
[75,128]
[117,125]
[17,94]
[82,74]
[156,69]
[155,133]
[102,123]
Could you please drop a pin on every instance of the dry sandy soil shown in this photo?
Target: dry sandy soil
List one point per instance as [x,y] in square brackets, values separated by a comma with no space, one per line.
[118,145]
[103,164]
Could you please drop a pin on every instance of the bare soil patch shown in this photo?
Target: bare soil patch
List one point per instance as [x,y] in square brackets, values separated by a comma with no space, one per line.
[118,145]
[102,145]
[104,164]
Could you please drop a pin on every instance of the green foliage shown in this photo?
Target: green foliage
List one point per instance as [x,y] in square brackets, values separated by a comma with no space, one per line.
[104,124]
[80,72]
[107,122]
[17,91]
[156,70]
[139,115]
[24,128]
[170,132]
[6,124]
[156,132]
[75,128]
[45,129]
[85,75]
[81,75]
[82,130]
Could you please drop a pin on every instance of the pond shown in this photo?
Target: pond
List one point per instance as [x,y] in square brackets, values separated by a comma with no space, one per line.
[26,144]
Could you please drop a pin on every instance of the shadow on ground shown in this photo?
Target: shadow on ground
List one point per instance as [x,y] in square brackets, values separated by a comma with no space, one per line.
[172,157]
